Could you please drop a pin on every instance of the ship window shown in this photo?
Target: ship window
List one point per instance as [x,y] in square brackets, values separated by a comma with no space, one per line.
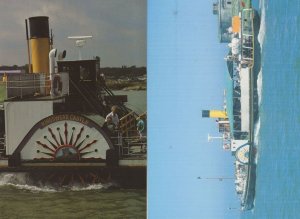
[84,73]
[65,69]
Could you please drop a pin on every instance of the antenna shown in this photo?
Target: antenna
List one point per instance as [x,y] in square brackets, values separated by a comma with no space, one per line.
[221,178]
[51,39]
[210,138]
[80,41]
[232,208]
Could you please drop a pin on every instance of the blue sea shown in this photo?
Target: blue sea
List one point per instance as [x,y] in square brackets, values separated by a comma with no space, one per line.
[278,128]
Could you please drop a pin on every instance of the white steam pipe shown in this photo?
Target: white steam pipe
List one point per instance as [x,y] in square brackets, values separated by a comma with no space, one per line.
[52,55]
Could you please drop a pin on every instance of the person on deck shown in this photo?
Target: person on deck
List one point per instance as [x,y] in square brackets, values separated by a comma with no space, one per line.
[141,127]
[114,117]
[102,80]
[108,126]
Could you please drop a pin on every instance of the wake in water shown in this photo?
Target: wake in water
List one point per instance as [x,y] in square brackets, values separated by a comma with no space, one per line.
[23,182]
[257,124]
[262,30]
[259,87]
[256,138]
[261,38]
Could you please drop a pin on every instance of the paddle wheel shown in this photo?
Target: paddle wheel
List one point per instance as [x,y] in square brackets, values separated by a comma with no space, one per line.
[63,138]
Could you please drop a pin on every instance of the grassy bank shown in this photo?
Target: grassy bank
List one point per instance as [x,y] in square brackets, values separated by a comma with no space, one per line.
[126,85]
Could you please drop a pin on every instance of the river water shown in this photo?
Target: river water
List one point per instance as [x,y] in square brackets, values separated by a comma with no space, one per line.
[137,100]
[20,199]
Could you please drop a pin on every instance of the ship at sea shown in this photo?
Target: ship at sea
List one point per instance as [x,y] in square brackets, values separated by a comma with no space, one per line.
[238,24]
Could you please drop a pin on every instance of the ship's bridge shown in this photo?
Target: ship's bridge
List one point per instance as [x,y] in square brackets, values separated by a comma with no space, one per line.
[223,8]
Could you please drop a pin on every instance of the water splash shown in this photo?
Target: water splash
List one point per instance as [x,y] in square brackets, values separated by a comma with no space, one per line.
[13,178]
[262,29]
[257,124]
[256,139]
[22,181]
[98,186]
[256,132]
[261,39]
[259,87]
[33,188]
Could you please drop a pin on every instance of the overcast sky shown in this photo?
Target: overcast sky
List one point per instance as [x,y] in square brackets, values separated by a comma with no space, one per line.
[118,29]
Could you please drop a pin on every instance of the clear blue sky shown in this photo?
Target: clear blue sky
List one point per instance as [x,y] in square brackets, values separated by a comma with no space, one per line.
[186,74]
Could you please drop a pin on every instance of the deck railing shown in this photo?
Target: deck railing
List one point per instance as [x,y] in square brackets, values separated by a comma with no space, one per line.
[131,145]
[127,123]
[128,140]
[19,85]
[2,147]
[247,37]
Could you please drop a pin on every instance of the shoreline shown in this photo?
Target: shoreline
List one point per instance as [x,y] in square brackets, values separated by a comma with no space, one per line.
[126,85]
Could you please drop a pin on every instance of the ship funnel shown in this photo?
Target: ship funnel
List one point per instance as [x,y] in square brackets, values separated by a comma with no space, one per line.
[39,43]
[214,114]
